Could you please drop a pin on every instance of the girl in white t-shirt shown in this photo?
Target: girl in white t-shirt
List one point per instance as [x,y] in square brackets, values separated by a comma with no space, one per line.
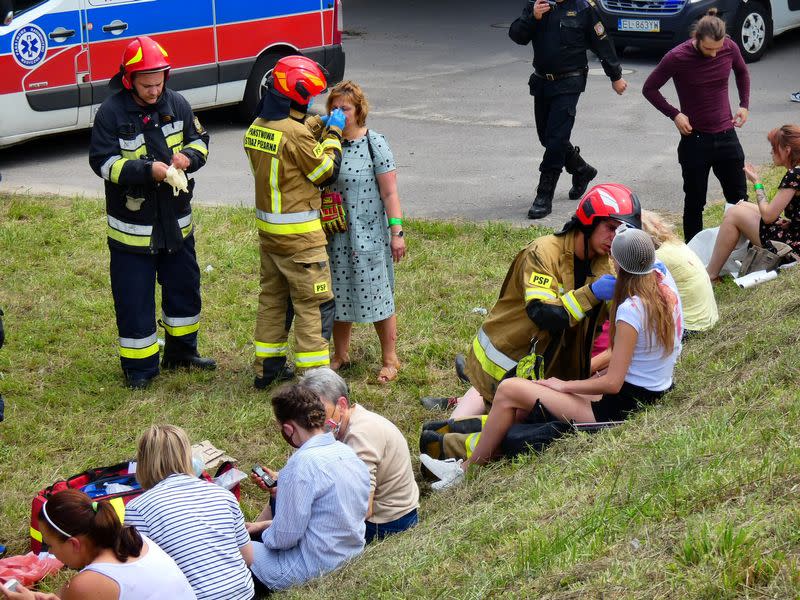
[646,329]
[115,562]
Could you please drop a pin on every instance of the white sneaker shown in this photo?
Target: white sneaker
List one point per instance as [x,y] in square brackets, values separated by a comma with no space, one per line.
[795,97]
[448,471]
[455,480]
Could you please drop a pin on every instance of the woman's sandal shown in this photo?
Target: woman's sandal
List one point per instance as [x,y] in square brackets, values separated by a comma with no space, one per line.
[387,373]
[337,364]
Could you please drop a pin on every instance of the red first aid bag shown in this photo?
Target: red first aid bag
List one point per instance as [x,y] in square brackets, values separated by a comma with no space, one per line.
[28,569]
[115,483]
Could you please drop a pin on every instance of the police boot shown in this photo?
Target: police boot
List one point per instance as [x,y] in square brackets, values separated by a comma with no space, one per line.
[275,369]
[581,171]
[543,204]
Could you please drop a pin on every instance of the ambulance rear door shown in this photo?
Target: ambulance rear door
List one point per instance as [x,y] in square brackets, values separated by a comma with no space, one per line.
[42,53]
[185,28]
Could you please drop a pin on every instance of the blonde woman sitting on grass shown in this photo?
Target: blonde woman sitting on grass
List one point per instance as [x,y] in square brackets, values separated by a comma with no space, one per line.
[646,329]
[198,523]
[690,275]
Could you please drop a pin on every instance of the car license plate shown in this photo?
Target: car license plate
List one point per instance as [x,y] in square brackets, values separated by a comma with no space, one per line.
[650,25]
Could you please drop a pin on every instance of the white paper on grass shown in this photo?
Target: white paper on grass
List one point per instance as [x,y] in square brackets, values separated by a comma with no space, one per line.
[755,278]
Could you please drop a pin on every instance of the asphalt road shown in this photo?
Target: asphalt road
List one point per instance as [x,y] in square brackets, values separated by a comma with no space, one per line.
[449,91]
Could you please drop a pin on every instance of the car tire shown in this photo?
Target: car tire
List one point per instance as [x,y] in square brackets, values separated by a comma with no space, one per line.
[753,30]
[256,84]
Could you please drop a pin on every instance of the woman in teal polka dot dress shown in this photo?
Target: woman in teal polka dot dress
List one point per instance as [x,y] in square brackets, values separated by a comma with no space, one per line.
[362,257]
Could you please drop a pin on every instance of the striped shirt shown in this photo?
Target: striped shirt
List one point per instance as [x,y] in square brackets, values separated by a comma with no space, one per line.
[319,515]
[201,526]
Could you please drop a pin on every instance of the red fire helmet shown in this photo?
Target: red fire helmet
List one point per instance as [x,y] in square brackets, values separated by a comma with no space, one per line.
[143,55]
[299,78]
[609,201]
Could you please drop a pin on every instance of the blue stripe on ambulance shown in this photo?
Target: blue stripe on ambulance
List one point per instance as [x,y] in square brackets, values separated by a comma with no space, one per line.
[48,22]
[150,18]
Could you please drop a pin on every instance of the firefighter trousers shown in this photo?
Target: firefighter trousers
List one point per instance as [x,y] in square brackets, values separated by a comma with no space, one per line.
[296,286]
[133,279]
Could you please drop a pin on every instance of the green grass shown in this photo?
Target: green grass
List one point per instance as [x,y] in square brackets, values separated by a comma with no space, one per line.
[694,498]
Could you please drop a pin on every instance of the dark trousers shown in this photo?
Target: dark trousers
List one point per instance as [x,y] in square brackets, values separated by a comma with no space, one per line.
[378,531]
[698,153]
[133,279]
[555,116]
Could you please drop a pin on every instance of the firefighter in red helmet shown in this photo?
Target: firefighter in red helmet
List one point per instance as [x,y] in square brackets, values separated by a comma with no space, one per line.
[551,303]
[145,139]
[292,157]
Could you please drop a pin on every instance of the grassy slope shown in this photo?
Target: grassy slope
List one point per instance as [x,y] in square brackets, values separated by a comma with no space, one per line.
[694,498]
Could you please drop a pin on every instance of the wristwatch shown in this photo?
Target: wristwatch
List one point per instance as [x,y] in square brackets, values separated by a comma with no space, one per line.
[398,234]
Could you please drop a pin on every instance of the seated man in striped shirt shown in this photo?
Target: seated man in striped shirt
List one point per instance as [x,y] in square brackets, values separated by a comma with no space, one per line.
[319,514]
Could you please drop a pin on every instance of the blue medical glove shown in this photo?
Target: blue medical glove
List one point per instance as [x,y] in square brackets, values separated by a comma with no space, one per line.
[324,119]
[603,288]
[336,118]
[661,267]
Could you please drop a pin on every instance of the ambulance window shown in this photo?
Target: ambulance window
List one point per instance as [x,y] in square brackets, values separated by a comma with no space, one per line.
[20,6]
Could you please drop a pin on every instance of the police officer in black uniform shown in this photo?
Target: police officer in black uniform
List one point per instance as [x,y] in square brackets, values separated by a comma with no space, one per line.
[561,32]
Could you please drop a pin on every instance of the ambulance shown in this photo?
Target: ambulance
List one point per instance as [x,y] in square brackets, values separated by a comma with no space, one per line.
[57,56]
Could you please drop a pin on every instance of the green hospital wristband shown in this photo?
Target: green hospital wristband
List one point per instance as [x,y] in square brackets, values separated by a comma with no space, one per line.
[758,186]
[395,221]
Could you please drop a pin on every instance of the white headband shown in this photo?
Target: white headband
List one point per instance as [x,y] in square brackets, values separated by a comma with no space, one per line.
[53,525]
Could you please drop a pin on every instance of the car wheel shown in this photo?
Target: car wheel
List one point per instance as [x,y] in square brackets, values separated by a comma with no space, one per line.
[753,30]
[257,85]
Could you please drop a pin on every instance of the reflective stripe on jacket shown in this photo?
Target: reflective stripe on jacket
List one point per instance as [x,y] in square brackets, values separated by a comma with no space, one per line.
[291,159]
[543,272]
[145,216]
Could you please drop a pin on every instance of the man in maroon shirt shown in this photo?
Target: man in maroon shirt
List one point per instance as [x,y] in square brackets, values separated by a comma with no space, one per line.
[700,68]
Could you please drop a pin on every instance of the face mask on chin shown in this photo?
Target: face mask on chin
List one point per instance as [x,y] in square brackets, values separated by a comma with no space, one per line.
[288,438]
[333,427]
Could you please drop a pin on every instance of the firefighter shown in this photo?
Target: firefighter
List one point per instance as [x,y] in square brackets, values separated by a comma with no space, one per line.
[139,133]
[550,306]
[292,156]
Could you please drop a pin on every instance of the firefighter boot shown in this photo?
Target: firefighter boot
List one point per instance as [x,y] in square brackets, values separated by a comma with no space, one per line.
[582,173]
[543,204]
[137,381]
[275,369]
[461,368]
[179,354]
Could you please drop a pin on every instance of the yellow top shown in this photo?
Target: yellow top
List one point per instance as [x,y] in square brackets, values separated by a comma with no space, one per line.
[697,294]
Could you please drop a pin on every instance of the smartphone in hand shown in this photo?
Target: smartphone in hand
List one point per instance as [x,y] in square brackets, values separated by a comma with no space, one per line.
[263,476]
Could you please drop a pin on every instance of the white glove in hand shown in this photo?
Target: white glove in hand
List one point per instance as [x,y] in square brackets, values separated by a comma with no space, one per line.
[177,179]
